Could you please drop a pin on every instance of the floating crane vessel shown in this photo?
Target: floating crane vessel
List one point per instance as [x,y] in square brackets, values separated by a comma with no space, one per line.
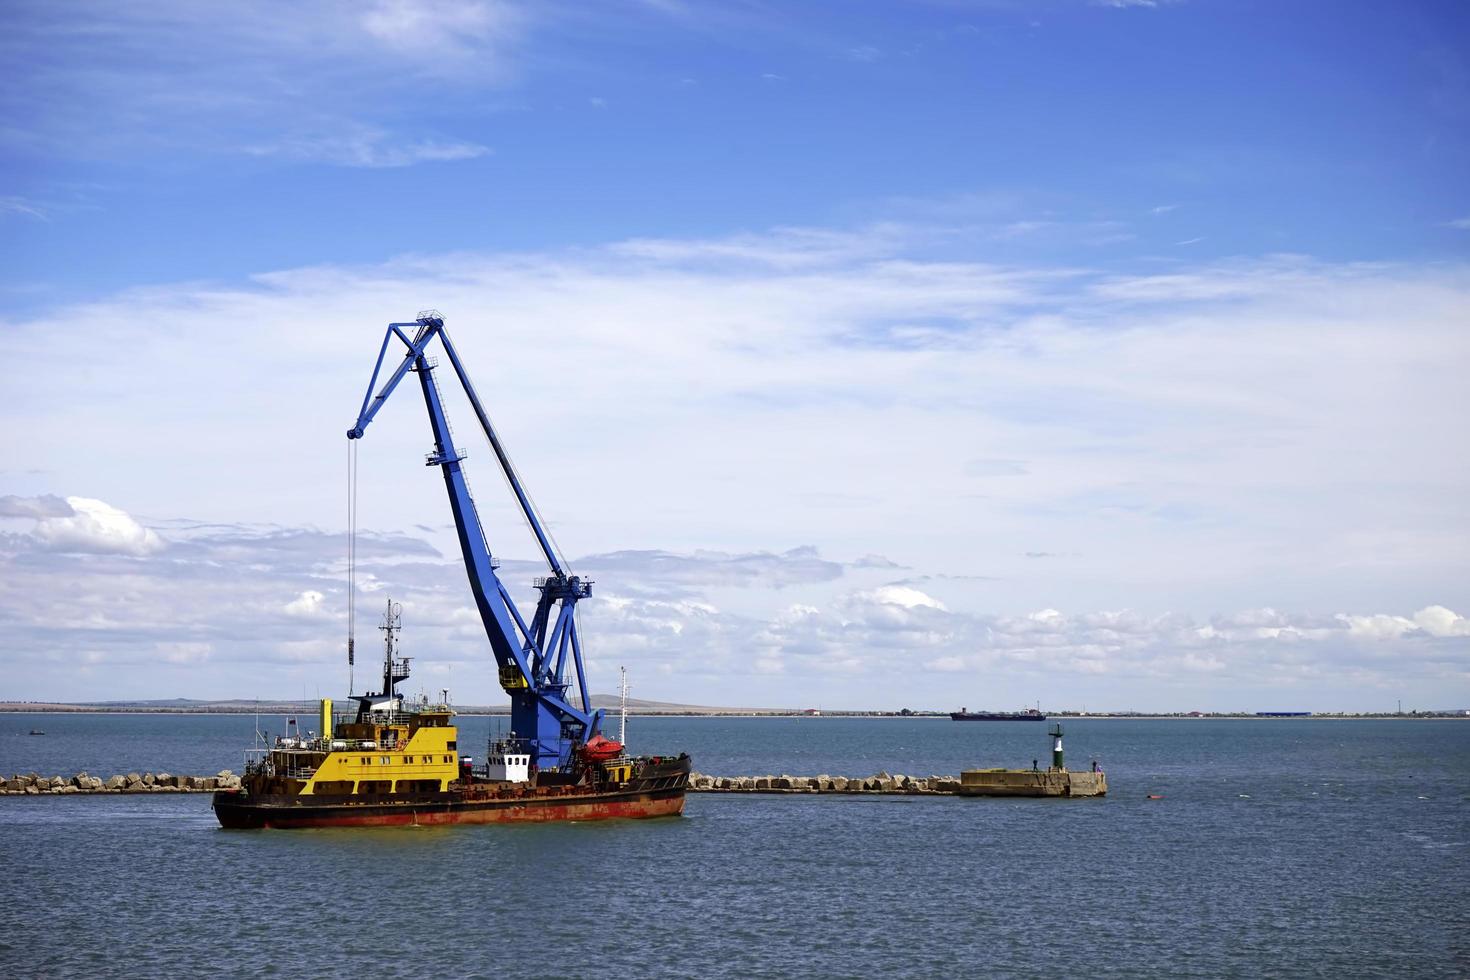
[390,762]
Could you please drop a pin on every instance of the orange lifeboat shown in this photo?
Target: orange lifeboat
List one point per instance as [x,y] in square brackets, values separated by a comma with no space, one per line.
[599,748]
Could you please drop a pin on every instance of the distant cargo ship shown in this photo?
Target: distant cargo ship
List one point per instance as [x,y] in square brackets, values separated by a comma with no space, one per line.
[1030,714]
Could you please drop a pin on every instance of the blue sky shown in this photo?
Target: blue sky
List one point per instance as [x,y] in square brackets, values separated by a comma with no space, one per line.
[1106,353]
[164,143]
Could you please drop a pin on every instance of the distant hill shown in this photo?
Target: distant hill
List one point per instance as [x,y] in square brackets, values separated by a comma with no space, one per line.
[608,702]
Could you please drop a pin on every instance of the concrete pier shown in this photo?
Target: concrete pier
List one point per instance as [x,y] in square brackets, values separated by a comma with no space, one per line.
[1032,782]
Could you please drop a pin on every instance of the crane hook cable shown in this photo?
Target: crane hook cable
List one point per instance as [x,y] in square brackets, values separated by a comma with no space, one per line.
[351,559]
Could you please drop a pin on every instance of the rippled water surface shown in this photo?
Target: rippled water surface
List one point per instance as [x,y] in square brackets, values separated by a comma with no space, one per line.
[1279,848]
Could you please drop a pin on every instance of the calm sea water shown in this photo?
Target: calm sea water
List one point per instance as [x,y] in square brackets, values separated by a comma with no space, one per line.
[1280,848]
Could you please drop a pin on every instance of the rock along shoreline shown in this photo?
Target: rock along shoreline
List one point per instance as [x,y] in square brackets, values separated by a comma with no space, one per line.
[34,784]
[880,783]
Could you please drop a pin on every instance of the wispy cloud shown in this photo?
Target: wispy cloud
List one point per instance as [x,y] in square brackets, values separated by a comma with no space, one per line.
[1018,228]
[781,248]
[1461,223]
[22,206]
[39,507]
[709,568]
[175,77]
[360,146]
[456,31]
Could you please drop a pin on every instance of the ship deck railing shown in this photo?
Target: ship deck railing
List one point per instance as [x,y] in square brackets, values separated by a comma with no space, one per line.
[403,717]
[259,761]
[268,768]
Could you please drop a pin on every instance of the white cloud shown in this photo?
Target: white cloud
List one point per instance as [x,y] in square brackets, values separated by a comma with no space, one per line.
[1434,621]
[1461,223]
[1376,627]
[308,604]
[1122,645]
[773,374]
[902,595]
[95,526]
[1439,621]
[196,604]
[1259,434]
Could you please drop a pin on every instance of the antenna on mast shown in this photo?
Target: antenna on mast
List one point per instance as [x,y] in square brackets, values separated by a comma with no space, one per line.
[623,708]
[395,668]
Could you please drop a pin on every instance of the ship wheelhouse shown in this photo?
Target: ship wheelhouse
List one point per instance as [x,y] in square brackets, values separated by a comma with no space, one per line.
[378,750]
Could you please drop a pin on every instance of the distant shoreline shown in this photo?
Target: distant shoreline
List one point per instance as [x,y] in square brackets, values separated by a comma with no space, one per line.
[473,711]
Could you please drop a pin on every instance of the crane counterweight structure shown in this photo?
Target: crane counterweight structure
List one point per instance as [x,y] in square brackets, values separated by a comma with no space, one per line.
[536,661]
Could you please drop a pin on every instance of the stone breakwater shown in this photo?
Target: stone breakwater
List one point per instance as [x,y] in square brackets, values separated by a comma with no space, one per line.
[880,783]
[32,784]
[971,782]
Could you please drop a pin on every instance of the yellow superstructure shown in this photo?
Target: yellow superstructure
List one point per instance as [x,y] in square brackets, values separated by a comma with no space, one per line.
[399,752]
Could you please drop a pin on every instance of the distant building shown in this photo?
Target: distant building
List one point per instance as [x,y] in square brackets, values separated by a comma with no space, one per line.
[815,712]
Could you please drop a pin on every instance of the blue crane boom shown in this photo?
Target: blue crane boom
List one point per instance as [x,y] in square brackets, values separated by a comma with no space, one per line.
[533,660]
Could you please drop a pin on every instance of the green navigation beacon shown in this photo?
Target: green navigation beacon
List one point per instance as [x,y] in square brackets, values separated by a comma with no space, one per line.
[1056,746]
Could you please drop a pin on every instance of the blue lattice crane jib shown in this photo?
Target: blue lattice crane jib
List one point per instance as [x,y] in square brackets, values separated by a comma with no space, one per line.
[533,660]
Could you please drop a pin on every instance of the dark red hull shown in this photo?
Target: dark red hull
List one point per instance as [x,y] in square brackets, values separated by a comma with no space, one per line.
[662,795]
